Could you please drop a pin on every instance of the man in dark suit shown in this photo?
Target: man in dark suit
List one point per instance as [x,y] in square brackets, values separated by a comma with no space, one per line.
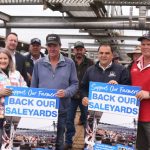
[11,43]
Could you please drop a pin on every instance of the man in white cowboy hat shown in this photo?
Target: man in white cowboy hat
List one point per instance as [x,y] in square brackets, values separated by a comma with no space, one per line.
[116,57]
[135,54]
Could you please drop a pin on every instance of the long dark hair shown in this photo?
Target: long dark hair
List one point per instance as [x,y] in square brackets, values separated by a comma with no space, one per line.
[11,65]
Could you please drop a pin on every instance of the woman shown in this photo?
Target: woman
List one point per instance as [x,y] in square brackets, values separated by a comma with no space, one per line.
[8,77]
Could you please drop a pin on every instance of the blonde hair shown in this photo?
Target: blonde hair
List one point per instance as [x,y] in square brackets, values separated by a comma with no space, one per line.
[11,65]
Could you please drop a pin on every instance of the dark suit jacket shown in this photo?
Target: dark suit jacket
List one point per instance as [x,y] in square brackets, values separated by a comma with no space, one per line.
[20,65]
[30,64]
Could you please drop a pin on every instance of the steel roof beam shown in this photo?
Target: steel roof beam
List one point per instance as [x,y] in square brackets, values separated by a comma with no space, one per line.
[4,17]
[70,19]
[118,37]
[64,36]
[98,8]
[21,2]
[61,8]
[113,45]
[126,2]
[105,2]
[95,49]
[75,25]
[102,31]
[67,22]
[104,37]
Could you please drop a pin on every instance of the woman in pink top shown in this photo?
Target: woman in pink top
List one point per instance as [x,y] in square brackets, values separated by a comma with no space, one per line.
[9,76]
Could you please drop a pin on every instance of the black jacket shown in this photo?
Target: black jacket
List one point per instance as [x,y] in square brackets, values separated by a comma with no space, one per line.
[81,69]
[20,65]
[30,64]
[94,73]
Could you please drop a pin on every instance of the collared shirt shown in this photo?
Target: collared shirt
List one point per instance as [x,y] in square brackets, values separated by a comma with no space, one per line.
[140,76]
[61,58]
[140,63]
[105,67]
[13,57]
[34,60]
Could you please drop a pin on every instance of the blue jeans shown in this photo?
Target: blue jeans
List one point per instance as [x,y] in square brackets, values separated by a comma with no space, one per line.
[70,132]
[62,118]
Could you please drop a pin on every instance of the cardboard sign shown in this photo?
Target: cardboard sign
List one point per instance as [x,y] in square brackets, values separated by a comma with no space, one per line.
[32,102]
[117,99]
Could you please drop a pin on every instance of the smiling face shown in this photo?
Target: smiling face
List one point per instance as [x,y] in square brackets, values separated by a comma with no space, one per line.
[105,55]
[11,42]
[35,50]
[53,50]
[145,48]
[4,61]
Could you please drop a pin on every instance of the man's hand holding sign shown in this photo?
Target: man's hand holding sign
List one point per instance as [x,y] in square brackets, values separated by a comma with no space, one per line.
[111,101]
[111,98]
[85,100]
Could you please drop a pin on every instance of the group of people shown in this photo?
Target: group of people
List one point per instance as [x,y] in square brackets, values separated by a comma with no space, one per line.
[71,78]
[137,75]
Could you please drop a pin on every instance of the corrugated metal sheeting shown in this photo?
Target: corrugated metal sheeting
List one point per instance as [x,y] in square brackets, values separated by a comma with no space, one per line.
[106,2]
[42,1]
[15,2]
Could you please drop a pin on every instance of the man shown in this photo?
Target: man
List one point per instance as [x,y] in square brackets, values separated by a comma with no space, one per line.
[82,63]
[34,54]
[11,43]
[140,76]
[56,72]
[134,55]
[116,58]
[105,70]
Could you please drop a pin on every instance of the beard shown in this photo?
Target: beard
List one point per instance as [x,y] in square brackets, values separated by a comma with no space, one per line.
[79,56]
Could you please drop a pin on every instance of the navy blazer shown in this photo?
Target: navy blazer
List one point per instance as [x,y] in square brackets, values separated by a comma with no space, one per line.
[20,65]
[30,64]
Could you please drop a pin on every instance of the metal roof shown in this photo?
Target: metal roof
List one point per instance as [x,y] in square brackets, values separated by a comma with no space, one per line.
[106,2]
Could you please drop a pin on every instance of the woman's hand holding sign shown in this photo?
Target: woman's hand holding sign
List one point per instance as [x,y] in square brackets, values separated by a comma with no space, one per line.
[5,92]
